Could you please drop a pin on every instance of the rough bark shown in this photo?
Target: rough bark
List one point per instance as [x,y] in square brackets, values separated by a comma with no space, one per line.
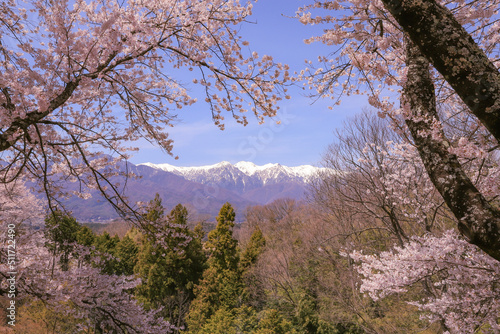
[453,52]
[477,219]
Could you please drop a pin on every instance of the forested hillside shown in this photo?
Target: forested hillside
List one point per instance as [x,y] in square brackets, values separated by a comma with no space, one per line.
[286,269]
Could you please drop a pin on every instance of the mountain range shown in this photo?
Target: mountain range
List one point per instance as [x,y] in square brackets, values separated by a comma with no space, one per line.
[204,189]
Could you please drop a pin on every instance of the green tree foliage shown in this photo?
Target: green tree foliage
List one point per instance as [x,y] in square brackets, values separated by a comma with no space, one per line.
[113,255]
[126,252]
[308,318]
[172,268]
[154,215]
[246,319]
[106,243]
[254,249]
[221,243]
[61,231]
[272,322]
[85,236]
[221,286]
[222,322]
[239,320]
[254,292]
[105,246]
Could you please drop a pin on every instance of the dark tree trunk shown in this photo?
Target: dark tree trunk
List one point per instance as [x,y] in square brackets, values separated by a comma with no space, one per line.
[477,219]
[453,52]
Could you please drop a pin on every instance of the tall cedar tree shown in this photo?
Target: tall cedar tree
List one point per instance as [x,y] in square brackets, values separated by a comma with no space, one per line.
[170,270]
[221,286]
[252,251]
[105,246]
[254,291]
[127,252]
[61,231]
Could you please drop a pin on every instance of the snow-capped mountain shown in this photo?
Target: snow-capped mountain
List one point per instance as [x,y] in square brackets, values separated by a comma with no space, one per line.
[202,189]
[242,176]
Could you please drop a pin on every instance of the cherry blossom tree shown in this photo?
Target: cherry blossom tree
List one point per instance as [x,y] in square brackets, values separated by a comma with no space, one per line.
[99,302]
[464,280]
[80,291]
[81,79]
[18,208]
[385,47]
[374,182]
[432,69]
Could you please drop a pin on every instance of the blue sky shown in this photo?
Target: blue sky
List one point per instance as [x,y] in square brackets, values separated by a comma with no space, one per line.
[306,128]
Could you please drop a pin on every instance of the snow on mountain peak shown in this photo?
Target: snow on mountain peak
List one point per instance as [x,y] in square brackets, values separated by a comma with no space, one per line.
[246,167]
[165,167]
[249,168]
[244,175]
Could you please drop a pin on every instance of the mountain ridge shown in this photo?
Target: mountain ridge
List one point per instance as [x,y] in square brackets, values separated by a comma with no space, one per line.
[260,175]
[203,189]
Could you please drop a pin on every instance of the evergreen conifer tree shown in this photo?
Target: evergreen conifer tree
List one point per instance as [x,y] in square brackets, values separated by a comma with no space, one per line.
[105,246]
[126,252]
[254,248]
[61,231]
[221,288]
[170,269]
[254,291]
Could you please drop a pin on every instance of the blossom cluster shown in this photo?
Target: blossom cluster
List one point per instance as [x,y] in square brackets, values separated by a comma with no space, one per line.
[463,280]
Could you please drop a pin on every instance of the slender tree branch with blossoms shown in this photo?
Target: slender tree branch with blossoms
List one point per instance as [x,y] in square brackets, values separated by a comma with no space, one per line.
[81,79]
